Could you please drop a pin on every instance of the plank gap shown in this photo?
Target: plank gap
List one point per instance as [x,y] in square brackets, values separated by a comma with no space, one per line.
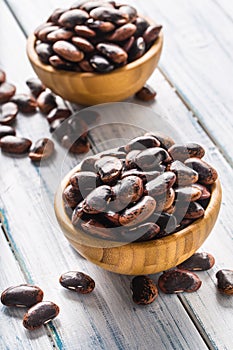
[15,17]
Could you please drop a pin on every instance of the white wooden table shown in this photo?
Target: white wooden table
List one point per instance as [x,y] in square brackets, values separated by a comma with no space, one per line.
[194,85]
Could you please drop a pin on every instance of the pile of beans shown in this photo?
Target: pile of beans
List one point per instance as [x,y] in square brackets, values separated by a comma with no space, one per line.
[94,36]
[146,189]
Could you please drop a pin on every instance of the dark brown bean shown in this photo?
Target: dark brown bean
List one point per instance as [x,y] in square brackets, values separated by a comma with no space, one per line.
[112,217]
[98,200]
[54,17]
[151,34]
[71,18]
[109,14]
[44,51]
[77,4]
[128,44]
[58,113]
[99,230]
[198,262]
[165,141]
[130,11]
[144,175]
[102,26]
[144,290]
[182,152]
[42,149]
[165,201]
[42,26]
[7,90]
[15,144]
[2,76]
[207,174]
[141,143]
[8,113]
[151,158]
[25,103]
[147,93]
[141,24]
[225,281]
[83,44]
[42,35]
[88,164]
[109,168]
[113,52]
[85,181]
[86,66]
[40,314]
[35,86]
[90,5]
[130,160]
[6,130]
[71,196]
[195,211]
[142,233]
[205,193]
[123,33]
[188,193]
[113,153]
[80,146]
[55,128]
[160,184]
[137,50]
[60,63]
[77,281]
[68,51]
[166,222]
[22,295]
[77,214]
[101,64]
[84,31]
[139,212]
[184,175]
[46,101]
[59,34]
[178,281]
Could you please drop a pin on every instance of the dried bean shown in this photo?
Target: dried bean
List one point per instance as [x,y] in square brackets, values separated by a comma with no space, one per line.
[113,153]
[151,158]
[59,34]
[58,62]
[7,90]
[101,64]
[98,200]
[15,144]
[205,193]
[77,281]
[6,130]
[2,76]
[84,31]
[144,175]
[142,233]
[112,218]
[56,15]
[42,149]
[198,262]
[35,86]
[130,11]
[207,174]
[225,281]
[128,44]
[42,35]
[141,143]
[46,101]
[71,18]
[141,24]
[147,93]
[137,50]
[8,112]
[109,168]
[79,146]
[91,5]
[195,211]
[178,281]
[42,26]
[88,164]
[85,182]
[182,152]
[130,160]
[184,175]
[25,103]
[166,222]
[165,201]
[86,66]
[83,44]
[22,295]
[55,127]
[144,290]
[160,184]
[109,14]
[151,34]
[44,52]
[165,141]
[114,52]
[77,4]
[188,194]
[58,113]
[139,212]
[71,196]
[102,26]
[40,314]
[77,214]
[68,51]
[99,230]
[123,33]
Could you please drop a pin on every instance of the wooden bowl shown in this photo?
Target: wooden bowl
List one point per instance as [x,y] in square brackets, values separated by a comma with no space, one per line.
[95,88]
[142,257]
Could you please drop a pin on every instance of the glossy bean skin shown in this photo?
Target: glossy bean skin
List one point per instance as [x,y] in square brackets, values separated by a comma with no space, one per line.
[178,281]
[101,64]
[54,17]
[141,24]
[26,103]
[138,213]
[142,233]
[44,51]
[83,44]
[77,214]
[130,160]
[44,32]
[8,113]
[23,295]
[146,176]
[165,201]
[114,52]
[165,141]
[109,168]
[151,34]
[146,93]
[205,193]
[97,229]
[225,281]
[98,200]
[166,222]
[35,86]
[6,130]
[102,26]
[42,149]
[142,143]
[7,91]
[68,51]
[46,101]
[91,5]
[71,196]
[84,31]
[130,11]
[85,181]
[151,158]
[15,144]
[198,262]
[188,193]
[77,281]
[207,174]
[144,290]
[137,50]
[123,33]
[182,152]
[195,211]
[88,164]
[58,113]
[109,14]
[2,76]
[71,18]
[160,184]
[40,314]
[184,175]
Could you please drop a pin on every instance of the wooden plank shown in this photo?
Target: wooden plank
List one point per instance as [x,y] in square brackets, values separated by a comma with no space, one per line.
[92,321]
[13,335]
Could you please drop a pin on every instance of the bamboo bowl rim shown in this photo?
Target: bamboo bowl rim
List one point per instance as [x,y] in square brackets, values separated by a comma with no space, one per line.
[70,231]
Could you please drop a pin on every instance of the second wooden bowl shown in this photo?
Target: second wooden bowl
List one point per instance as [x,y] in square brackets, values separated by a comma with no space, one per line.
[142,257]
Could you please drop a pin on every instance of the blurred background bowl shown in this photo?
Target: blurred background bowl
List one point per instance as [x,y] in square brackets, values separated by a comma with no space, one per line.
[94,88]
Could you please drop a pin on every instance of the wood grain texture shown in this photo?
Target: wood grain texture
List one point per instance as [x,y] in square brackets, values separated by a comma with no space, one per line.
[171,331]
